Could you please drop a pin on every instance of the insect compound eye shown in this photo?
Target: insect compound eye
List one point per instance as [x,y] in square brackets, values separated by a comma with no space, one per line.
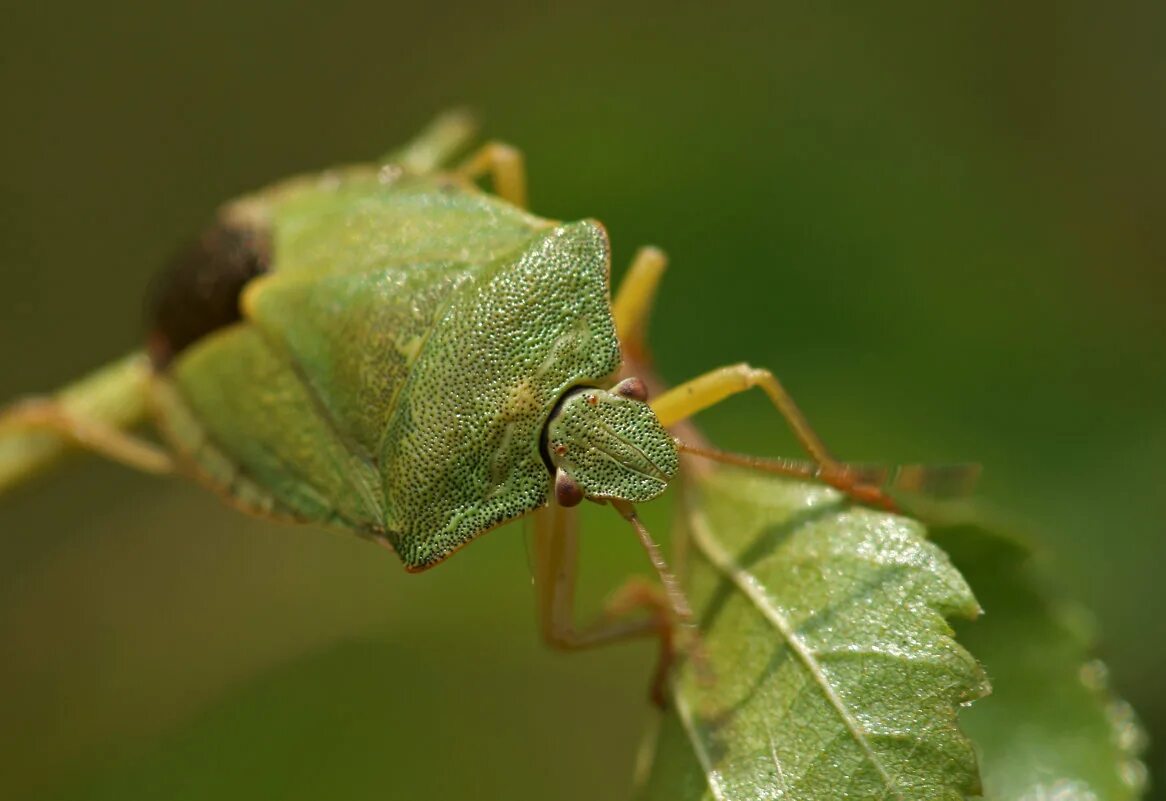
[567,492]
[632,388]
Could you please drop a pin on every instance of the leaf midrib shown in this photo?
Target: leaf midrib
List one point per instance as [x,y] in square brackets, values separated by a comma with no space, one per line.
[749,585]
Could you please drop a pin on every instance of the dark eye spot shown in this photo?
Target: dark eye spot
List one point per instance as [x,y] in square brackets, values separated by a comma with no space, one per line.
[592,400]
[560,449]
[567,492]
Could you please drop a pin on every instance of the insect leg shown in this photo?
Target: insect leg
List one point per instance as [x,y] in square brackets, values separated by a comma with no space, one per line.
[717,385]
[506,169]
[633,302]
[700,393]
[930,480]
[556,548]
[92,413]
[437,144]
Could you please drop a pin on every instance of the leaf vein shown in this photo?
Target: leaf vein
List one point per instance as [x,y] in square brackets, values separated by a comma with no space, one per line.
[748,584]
[702,756]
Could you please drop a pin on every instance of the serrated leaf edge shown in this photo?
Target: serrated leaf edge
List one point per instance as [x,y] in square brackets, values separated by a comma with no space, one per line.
[748,585]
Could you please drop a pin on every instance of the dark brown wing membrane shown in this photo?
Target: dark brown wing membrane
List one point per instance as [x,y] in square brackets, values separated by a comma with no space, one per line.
[197,293]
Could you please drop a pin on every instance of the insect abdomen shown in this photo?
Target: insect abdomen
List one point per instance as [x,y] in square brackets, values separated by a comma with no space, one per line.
[197,293]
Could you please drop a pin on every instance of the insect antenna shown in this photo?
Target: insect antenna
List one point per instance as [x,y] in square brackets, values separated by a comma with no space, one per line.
[937,480]
[682,616]
[933,480]
[681,609]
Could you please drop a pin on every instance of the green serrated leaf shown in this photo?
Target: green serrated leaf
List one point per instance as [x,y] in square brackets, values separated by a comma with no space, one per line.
[1052,729]
[835,672]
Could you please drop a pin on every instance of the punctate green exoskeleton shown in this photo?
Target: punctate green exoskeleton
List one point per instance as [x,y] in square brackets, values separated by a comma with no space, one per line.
[390,350]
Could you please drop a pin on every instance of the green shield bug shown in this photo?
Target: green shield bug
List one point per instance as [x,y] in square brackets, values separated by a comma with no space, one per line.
[390,350]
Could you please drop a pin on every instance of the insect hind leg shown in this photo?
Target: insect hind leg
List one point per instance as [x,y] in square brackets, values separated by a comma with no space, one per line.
[46,414]
[432,149]
[94,413]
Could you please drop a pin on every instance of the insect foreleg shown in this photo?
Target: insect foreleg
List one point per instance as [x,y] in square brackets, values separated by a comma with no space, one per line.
[707,390]
[700,393]
[556,548]
[633,302]
[504,164]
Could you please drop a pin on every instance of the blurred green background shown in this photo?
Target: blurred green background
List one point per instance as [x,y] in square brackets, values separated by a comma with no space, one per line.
[941,224]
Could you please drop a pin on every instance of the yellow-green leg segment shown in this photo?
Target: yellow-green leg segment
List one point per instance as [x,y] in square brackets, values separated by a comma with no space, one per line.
[661,608]
[506,168]
[631,308]
[432,149]
[713,387]
[632,305]
[94,414]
